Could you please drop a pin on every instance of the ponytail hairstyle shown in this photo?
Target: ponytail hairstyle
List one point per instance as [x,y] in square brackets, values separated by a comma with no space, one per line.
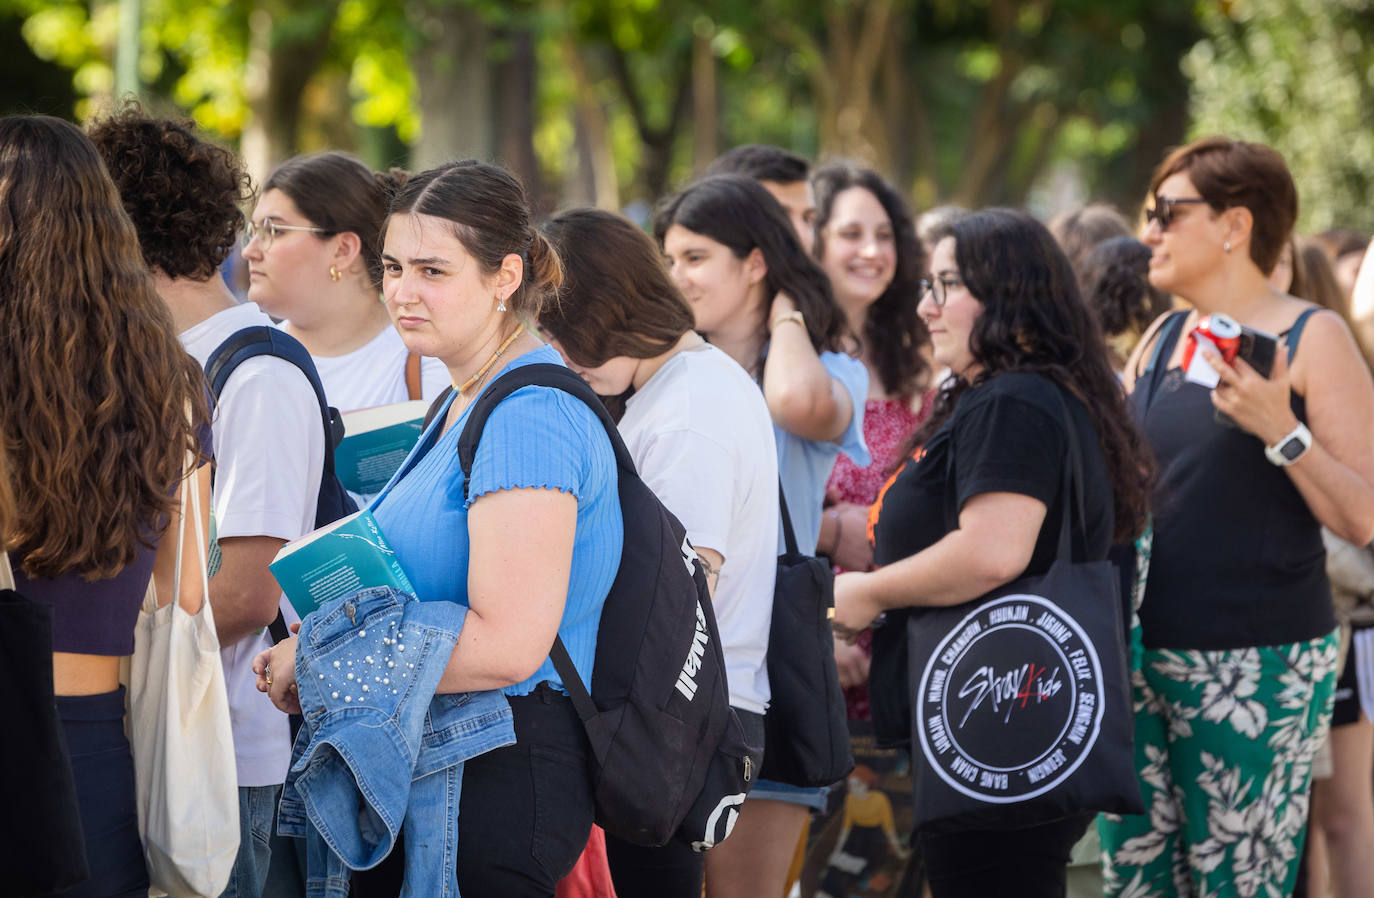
[1035,320]
[339,193]
[94,384]
[893,333]
[741,214]
[617,298]
[490,216]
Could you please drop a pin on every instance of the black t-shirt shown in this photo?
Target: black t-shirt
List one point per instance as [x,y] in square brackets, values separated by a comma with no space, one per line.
[1008,435]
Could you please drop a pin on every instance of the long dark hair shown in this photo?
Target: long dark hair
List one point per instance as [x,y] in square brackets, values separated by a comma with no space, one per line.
[94,384]
[1034,320]
[736,211]
[617,298]
[893,332]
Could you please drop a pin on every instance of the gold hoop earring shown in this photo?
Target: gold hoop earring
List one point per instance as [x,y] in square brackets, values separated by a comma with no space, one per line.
[334,274]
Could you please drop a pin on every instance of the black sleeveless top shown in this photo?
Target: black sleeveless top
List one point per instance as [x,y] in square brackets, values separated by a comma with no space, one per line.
[1237,558]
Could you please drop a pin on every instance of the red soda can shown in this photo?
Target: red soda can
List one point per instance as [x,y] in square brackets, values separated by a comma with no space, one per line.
[1221,331]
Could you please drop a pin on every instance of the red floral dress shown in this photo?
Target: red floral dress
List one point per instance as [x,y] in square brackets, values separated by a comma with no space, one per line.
[887,424]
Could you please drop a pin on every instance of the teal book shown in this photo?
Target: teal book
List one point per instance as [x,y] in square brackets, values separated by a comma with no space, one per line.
[344,557]
[376,441]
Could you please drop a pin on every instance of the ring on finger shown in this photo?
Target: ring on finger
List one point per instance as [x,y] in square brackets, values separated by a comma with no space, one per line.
[267,674]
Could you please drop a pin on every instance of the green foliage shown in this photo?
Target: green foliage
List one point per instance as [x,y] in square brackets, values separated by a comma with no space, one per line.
[1299,76]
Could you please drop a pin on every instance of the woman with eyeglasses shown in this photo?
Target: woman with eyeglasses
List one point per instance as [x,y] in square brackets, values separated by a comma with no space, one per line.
[1235,688]
[313,250]
[978,502]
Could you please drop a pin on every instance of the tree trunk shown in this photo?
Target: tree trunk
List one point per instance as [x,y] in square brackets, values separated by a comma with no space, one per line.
[705,112]
[515,78]
[281,62]
[453,78]
[596,161]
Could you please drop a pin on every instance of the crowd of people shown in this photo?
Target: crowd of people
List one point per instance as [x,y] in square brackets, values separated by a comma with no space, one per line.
[948,404]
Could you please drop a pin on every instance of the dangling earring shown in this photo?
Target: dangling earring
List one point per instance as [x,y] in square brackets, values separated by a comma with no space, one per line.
[1226,246]
[334,274]
[500,303]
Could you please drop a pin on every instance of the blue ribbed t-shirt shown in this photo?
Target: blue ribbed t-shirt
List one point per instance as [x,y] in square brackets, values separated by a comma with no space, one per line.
[537,437]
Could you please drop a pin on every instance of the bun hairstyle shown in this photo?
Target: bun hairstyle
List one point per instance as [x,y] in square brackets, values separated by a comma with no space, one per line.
[617,298]
[738,212]
[339,193]
[1230,173]
[893,332]
[1114,280]
[490,216]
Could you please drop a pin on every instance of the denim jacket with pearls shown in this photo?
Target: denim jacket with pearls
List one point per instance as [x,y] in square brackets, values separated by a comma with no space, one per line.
[378,748]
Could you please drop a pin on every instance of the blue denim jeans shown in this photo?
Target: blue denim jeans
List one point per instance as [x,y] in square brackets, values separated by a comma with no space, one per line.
[378,748]
[257,808]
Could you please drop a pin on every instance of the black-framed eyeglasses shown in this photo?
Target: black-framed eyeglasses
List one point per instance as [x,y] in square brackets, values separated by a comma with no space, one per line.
[939,288]
[270,228]
[1163,211]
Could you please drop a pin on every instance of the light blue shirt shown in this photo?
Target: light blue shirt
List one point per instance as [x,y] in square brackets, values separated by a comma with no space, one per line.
[804,465]
[537,437]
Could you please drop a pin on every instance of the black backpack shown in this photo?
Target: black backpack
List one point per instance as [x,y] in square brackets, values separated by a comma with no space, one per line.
[669,756]
[334,501]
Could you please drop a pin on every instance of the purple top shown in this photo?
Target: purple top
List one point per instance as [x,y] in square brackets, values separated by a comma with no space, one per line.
[95,617]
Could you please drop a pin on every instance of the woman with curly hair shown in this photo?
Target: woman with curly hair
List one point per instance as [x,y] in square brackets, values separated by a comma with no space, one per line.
[314,261]
[980,504]
[94,395]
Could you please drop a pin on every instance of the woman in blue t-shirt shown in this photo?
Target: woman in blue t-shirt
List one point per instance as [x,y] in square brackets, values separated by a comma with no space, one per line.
[759,297]
[533,544]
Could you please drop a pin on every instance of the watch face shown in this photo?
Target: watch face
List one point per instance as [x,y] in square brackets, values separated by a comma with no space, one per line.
[1291,449]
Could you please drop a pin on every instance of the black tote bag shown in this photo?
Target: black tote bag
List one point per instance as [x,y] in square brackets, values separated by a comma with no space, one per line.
[806,734]
[42,848]
[1021,702]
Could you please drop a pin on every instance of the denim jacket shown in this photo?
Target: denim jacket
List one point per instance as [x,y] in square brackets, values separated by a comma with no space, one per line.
[378,748]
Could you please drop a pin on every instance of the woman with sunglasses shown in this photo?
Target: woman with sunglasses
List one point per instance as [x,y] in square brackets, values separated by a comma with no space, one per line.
[980,502]
[313,250]
[1234,692]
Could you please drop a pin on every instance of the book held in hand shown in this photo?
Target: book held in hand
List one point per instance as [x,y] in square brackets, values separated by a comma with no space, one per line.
[342,558]
[376,441]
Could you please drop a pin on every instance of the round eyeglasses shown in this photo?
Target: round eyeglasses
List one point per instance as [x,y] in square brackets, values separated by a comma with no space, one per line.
[939,288]
[267,232]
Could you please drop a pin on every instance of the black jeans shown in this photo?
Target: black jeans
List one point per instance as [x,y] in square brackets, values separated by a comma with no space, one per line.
[1027,863]
[526,810]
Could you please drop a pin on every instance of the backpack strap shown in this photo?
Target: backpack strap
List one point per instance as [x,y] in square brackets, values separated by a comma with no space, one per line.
[561,378]
[251,342]
[1294,333]
[414,389]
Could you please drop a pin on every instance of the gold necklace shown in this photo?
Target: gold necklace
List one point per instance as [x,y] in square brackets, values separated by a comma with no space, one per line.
[482,372]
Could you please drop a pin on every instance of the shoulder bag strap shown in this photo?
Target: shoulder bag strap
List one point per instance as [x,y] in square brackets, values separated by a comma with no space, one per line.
[6,572]
[413,386]
[789,535]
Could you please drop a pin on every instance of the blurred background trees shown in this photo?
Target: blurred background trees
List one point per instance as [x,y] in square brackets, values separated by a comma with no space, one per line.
[615,102]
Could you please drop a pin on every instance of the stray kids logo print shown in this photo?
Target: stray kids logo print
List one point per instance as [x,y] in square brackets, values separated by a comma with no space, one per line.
[1011,701]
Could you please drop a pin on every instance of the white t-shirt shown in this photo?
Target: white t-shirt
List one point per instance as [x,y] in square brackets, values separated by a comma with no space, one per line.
[269,454]
[375,374]
[701,437]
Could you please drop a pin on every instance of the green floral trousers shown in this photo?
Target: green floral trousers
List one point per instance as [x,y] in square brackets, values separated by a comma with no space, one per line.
[1224,749]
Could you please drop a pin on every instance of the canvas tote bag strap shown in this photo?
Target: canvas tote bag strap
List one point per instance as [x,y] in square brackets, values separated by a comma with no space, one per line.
[190,484]
[6,572]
